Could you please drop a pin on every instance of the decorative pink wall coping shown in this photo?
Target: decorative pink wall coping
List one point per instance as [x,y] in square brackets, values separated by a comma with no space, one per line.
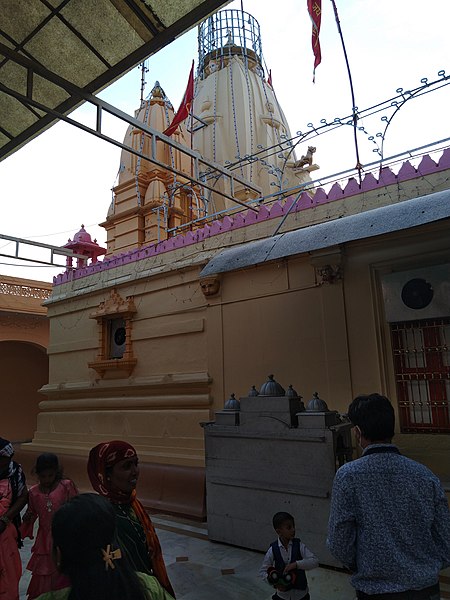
[387,177]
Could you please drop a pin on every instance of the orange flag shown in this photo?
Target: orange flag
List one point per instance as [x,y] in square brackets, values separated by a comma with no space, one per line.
[185,106]
[315,12]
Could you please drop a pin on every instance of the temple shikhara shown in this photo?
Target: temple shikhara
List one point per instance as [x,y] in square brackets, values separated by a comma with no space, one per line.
[224,262]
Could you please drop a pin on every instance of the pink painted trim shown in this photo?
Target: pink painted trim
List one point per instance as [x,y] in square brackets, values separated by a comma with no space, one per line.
[407,171]
[444,161]
[320,197]
[277,209]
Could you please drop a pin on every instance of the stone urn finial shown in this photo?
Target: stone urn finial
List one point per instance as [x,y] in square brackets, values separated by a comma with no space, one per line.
[292,393]
[271,388]
[316,404]
[232,403]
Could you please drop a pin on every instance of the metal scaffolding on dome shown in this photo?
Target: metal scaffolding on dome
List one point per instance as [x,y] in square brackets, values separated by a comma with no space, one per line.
[227,30]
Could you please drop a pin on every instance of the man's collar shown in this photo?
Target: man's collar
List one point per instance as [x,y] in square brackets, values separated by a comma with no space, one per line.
[381,448]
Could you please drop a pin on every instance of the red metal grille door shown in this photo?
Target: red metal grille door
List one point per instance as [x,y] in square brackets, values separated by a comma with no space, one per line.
[422,374]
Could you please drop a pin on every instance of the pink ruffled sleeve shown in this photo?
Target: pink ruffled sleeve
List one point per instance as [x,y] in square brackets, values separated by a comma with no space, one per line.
[70,487]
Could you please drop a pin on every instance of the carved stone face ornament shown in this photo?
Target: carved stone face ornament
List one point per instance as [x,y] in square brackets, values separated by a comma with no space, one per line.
[329,274]
[210,286]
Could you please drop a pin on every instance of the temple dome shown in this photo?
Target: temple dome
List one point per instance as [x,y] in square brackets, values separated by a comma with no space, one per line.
[82,236]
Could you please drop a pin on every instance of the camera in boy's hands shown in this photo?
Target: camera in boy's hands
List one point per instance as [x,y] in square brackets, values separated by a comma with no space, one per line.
[283,581]
[272,576]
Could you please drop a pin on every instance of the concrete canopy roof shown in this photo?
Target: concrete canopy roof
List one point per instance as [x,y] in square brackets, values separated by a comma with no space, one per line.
[371,223]
[51,48]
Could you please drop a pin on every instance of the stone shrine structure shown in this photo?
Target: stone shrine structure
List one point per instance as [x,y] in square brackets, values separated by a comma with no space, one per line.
[267,451]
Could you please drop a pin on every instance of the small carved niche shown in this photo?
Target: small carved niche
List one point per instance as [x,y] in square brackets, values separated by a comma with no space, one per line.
[115,349]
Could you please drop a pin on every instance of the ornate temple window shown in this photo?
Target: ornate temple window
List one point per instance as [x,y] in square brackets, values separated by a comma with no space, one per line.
[115,348]
[422,374]
[417,310]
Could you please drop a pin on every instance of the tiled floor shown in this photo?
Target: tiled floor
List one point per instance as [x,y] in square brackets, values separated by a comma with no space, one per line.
[203,570]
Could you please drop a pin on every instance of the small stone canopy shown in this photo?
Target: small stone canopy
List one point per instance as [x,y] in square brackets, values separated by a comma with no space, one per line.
[82,244]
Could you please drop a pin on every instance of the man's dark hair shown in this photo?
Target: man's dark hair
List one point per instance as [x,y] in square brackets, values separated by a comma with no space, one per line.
[281,517]
[374,415]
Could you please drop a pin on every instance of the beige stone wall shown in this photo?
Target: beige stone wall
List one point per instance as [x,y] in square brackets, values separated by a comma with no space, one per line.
[275,319]
[160,405]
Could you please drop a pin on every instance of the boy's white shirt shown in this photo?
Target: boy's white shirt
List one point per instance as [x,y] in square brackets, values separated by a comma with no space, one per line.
[308,562]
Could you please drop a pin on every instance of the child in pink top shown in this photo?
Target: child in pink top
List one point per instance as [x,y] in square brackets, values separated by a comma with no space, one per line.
[45,498]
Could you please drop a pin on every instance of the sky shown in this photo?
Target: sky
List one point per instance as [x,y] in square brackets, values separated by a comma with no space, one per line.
[63,178]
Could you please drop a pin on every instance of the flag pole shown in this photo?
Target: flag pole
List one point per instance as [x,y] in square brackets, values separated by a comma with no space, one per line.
[354,107]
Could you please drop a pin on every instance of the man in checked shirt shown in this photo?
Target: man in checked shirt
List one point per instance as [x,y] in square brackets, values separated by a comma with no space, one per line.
[389,520]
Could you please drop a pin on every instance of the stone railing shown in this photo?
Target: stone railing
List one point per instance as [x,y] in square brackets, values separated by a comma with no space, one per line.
[13,288]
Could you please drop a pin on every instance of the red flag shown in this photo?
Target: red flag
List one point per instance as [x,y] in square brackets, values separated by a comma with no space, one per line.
[315,12]
[269,79]
[185,106]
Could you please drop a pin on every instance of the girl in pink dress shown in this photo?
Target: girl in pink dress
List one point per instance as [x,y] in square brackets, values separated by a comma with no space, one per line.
[45,498]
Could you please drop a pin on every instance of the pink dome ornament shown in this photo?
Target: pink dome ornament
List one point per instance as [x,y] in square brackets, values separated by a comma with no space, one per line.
[82,236]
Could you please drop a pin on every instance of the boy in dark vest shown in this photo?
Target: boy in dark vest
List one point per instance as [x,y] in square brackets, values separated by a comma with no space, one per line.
[286,561]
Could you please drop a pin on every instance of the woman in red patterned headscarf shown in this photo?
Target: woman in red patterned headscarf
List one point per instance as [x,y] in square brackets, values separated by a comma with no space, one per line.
[113,470]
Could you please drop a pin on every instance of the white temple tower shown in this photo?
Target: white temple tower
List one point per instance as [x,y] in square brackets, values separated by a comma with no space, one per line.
[240,122]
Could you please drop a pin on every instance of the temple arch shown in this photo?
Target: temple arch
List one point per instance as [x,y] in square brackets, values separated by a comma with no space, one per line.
[23,371]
